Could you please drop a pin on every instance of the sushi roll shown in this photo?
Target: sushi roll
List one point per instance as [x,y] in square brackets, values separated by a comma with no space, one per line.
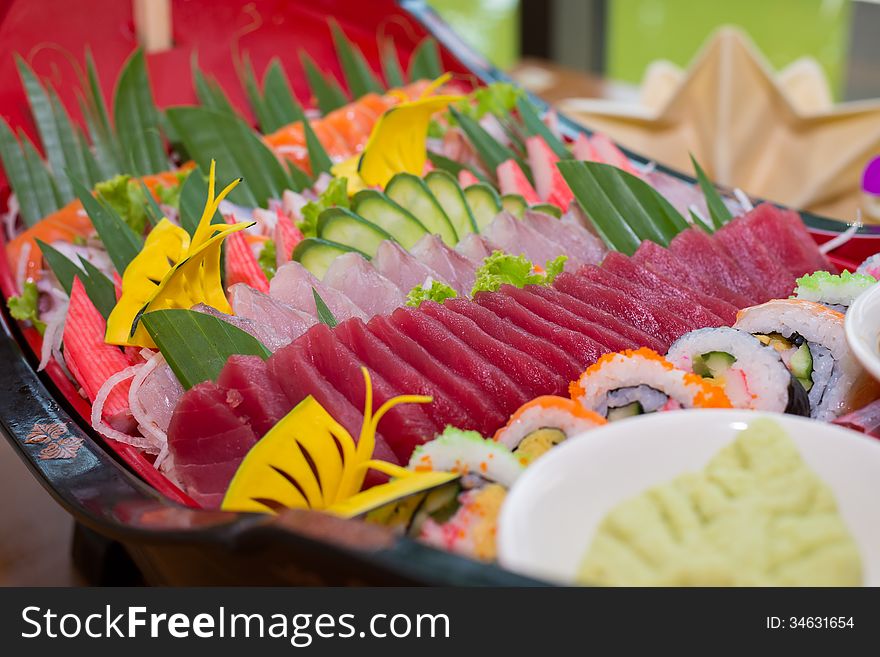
[634,382]
[836,291]
[752,374]
[811,340]
[543,423]
[472,529]
[468,453]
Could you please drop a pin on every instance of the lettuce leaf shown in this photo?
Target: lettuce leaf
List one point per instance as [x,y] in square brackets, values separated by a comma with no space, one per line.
[336,195]
[437,291]
[502,268]
[126,198]
[498,98]
[25,306]
[267,259]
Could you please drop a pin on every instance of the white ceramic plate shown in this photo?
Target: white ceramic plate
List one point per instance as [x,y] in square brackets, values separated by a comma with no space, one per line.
[552,511]
[863,330]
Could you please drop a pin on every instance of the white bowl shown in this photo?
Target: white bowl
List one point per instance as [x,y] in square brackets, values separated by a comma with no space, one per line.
[863,330]
[551,513]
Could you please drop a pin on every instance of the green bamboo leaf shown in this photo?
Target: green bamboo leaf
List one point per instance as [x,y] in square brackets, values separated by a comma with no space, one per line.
[196,345]
[107,149]
[424,63]
[452,166]
[324,313]
[63,268]
[208,91]
[358,75]
[41,180]
[192,201]
[391,65]
[624,209]
[93,171]
[535,126]
[328,94]
[99,288]
[74,160]
[491,152]
[281,106]
[47,126]
[208,135]
[152,210]
[299,179]
[717,209]
[318,157]
[137,119]
[121,242]
[19,177]
[698,221]
[255,97]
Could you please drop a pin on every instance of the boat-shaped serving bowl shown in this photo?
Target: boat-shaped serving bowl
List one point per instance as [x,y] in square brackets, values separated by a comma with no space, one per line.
[110,488]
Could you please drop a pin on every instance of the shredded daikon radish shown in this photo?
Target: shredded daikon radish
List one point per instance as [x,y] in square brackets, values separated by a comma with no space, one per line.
[52,335]
[98,408]
[844,237]
[147,425]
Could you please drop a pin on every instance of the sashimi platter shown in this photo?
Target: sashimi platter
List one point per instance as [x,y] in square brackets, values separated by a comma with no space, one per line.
[399,300]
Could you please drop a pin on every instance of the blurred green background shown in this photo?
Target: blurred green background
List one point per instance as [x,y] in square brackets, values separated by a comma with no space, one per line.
[637,32]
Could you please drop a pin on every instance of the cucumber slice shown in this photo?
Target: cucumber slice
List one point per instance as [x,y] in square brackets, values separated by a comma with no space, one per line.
[449,195]
[514,204]
[380,210]
[713,364]
[547,208]
[623,412]
[316,254]
[801,363]
[484,203]
[412,193]
[343,226]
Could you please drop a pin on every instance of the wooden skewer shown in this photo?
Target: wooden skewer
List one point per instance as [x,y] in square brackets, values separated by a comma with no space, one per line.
[152,21]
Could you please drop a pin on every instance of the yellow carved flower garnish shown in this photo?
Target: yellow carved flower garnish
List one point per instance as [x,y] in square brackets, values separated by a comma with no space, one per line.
[173,271]
[398,142]
[309,461]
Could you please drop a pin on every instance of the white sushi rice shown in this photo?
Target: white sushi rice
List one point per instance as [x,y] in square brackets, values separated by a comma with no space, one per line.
[467,452]
[757,379]
[649,399]
[646,376]
[835,368]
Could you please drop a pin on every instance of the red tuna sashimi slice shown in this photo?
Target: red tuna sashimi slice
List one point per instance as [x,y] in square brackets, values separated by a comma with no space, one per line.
[484,412]
[402,268]
[765,270]
[358,280]
[700,252]
[585,351]
[404,427]
[293,370]
[663,326]
[655,257]
[520,367]
[661,305]
[207,441]
[461,358]
[517,237]
[378,357]
[549,183]
[91,360]
[251,394]
[786,237]
[579,244]
[457,270]
[619,264]
[512,180]
[506,331]
[564,310]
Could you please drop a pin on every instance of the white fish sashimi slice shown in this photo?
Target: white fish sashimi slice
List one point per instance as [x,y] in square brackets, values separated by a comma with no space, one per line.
[358,280]
[159,394]
[475,248]
[581,246]
[260,330]
[286,322]
[454,268]
[293,285]
[401,267]
[518,238]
